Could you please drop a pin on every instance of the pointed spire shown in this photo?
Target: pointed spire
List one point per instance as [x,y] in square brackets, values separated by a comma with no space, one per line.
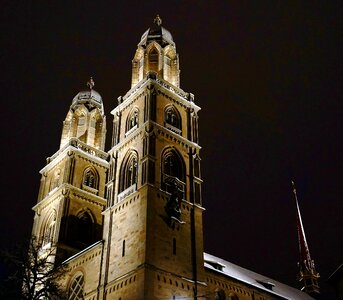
[307,272]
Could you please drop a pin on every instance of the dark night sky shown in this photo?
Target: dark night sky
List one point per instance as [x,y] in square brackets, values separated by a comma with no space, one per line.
[267,75]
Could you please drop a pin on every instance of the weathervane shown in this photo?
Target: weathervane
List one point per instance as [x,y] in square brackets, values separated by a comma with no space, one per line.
[158,20]
[90,83]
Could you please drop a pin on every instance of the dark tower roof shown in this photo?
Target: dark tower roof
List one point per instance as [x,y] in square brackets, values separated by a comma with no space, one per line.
[90,97]
[157,33]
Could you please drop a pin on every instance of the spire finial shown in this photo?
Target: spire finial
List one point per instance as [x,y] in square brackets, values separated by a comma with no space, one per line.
[158,20]
[294,190]
[90,83]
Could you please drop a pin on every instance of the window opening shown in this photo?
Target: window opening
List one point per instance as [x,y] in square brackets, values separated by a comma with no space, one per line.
[76,288]
[123,249]
[172,117]
[90,179]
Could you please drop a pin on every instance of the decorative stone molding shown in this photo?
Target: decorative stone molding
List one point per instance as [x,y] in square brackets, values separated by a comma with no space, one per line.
[127,192]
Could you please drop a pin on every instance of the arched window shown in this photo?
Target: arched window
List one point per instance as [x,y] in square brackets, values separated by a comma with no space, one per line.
[81,122]
[49,230]
[172,119]
[132,120]
[84,232]
[153,60]
[55,180]
[232,296]
[219,295]
[129,172]
[76,288]
[90,178]
[173,171]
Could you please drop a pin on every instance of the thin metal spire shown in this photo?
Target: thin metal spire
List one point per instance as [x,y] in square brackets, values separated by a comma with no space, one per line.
[303,246]
[307,272]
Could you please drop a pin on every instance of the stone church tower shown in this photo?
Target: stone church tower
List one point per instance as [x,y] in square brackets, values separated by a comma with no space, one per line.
[127,224]
[153,219]
[72,191]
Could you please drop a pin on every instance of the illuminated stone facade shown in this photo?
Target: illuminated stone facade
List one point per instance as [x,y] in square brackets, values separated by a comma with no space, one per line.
[128,222]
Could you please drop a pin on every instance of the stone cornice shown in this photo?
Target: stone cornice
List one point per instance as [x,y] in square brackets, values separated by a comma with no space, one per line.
[54,195]
[87,196]
[176,94]
[159,130]
[65,190]
[172,136]
[74,261]
[140,131]
[83,150]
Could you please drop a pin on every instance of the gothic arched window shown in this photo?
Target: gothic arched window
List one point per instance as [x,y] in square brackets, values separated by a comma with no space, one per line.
[55,180]
[219,295]
[153,60]
[129,172]
[84,229]
[132,120]
[76,288]
[90,178]
[173,171]
[172,117]
[49,230]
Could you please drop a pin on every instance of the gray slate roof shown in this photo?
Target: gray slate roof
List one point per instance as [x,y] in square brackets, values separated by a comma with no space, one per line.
[256,280]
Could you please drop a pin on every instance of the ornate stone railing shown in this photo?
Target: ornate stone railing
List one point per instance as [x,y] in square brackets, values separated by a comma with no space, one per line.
[127,192]
[173,89]
[152,75]
[171,182]
[89,189]
[76,143]
[131,130]
[172,128]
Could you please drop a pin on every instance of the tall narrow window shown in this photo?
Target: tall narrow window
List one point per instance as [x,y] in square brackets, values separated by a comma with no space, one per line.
[76,288]
[172,117]
[49,230]
[132,120]
[174,246]
[90,178]
[153,60]
[55,180]
[123,249]
[82,232]
[173,174]
[129,172]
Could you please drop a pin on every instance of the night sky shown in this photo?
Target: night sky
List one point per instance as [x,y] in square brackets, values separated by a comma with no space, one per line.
[267,76]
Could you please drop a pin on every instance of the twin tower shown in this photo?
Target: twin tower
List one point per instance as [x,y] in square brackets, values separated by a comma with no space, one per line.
[124,219]
[127,223]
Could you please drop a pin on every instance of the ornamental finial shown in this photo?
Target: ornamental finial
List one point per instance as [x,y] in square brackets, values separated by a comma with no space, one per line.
[90,83]
[158,20]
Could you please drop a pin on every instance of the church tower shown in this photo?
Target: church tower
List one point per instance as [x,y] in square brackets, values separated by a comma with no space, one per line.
[153,219]
[308,275]
[127,223]
[71,197]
